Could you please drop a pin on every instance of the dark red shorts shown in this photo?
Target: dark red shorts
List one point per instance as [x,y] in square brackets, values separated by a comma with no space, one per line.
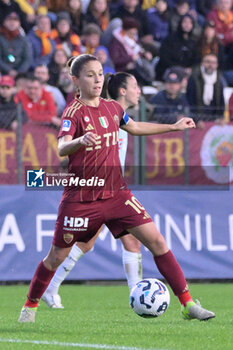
[80,221]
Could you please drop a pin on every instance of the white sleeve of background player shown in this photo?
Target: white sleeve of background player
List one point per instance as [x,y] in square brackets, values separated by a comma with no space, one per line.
[123,140]
[122,146]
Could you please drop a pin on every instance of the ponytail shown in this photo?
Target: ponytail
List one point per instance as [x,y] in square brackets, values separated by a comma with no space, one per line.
[113,83]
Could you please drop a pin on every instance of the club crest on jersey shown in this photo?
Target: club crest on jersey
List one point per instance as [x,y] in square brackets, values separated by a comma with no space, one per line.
[68,237]
[104,122]
[87,119]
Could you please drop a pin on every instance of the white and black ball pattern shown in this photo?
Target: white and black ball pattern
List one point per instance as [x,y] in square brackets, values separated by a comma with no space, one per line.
[150,298]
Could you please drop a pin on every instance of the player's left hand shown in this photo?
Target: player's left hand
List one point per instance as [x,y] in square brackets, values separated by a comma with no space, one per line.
[184,123]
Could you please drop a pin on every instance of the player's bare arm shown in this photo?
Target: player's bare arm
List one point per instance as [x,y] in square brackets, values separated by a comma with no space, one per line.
[143,128]
[67,145]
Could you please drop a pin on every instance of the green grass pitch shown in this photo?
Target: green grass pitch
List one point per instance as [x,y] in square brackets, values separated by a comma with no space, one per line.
[100,317]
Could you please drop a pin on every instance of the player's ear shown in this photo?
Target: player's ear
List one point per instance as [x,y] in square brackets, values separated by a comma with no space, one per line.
[122,91]
[75,80]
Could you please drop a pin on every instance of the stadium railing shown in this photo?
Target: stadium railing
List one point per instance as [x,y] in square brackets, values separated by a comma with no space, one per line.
[150,159]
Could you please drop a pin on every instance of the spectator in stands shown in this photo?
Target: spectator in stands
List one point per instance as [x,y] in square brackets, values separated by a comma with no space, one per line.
[209,43]
[15,53]
[158,21]
[56,65]
[42,73]
[9,6]
[42,45]
[38,103]
[131,8]
[90,38]
[64,37]
[222,16]
[8,106]
[228,66]
[98,13]
[56,5]
[183,8]
[178,49]
[20,81]
[205,6]
[147,4]
[205,90]
[74,8]
[65,84]
[191,3]
[101,52]
[32,8]
[128,55]
[170,103]
[29,10]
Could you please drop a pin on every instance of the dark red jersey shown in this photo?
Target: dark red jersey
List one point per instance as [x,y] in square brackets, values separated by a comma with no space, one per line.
[100,161]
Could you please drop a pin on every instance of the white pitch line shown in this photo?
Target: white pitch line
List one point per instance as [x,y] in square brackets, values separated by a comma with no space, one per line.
[77,345]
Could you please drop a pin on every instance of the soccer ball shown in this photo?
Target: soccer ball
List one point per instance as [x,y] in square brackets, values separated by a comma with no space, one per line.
[149,298]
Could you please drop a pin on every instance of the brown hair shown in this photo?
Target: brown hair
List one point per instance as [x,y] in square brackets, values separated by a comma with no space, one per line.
[112,84]
[76,63]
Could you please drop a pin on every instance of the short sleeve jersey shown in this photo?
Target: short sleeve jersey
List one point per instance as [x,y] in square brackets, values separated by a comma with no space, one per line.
[99,161]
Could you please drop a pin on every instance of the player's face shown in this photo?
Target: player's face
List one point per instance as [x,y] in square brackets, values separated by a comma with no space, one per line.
[91,79]
[133,92]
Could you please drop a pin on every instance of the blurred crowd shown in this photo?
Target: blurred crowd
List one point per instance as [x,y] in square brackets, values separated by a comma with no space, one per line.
[181,48]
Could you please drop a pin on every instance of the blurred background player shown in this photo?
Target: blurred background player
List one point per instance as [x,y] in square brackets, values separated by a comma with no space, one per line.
[123,88]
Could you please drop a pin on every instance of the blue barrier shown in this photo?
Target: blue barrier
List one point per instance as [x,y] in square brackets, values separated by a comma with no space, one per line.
[197,225]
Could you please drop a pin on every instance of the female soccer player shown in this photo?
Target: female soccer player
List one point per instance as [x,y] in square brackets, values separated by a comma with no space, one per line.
[82,211]
[123,88]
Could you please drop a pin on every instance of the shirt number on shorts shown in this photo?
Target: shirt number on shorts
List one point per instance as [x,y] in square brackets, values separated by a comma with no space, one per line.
[134,203]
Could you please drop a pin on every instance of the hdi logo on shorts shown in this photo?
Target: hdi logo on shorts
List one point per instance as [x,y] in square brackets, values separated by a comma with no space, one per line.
[76,222]
[35,178]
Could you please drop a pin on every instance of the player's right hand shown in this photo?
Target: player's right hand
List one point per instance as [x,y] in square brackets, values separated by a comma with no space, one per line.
[88,139]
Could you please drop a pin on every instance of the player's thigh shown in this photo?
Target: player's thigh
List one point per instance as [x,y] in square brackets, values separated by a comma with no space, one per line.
[77,222]
[86,246]
[149,235]
[55,257]
[124,212]
[131,243]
